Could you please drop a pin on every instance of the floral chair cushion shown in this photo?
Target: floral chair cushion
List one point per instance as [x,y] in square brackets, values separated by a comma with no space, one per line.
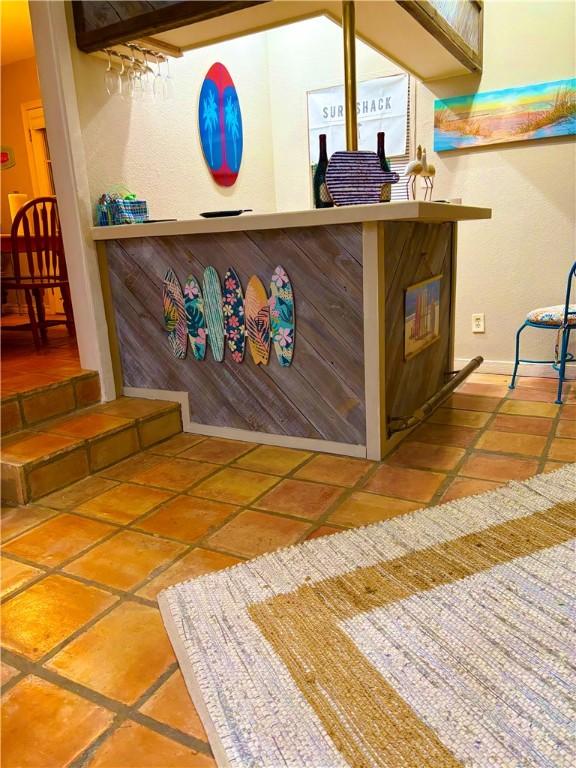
[552,315]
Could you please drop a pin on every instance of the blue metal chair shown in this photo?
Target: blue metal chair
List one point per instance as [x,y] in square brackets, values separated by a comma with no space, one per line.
[560,318]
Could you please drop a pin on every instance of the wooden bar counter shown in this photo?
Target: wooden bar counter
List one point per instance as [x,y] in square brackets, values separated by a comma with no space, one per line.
[349,267]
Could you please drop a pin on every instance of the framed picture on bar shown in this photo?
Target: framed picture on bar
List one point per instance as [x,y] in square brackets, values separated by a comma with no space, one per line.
[421,316]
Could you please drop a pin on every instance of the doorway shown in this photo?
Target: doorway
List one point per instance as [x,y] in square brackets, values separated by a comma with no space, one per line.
[26,177]
[38,150]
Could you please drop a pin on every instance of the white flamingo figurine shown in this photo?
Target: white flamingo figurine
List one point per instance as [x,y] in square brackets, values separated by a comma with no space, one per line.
[428,173]
[412,170]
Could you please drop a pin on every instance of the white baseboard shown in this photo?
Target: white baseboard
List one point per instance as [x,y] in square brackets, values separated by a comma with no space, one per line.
[230,433]
[524,369]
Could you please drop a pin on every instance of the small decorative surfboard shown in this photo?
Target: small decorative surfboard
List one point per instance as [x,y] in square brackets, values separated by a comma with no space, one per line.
[174,314]
[281,305]
[233,304]
[213,312]
[355,178]
[257,321]
[195,320]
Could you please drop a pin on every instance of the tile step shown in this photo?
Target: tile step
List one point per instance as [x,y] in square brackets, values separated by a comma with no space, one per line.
[53,454]
[34,400]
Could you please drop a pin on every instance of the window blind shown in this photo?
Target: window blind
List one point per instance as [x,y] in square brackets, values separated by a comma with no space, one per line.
[398,163]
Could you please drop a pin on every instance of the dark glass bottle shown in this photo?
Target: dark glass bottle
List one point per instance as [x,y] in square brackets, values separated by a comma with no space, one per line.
[386,193]
[382,153]
[322,197]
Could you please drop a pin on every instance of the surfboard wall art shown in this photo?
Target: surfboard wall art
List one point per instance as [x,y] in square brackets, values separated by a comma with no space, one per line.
[233,305]
[220,123]
[281,305]
[220,316]
[257,321]
[195,319]
[214,313]
[174,314]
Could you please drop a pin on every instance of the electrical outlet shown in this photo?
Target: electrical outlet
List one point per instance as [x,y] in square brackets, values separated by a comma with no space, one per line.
[478,323]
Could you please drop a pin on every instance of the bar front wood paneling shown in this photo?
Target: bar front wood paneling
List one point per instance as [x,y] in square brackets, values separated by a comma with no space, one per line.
[350,269]
[320,396]
[413,253]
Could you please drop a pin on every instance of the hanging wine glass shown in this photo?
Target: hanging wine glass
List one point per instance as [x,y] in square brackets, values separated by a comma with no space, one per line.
[120,78]
[110,77]
[131,76]
[158,82]
[138,83]
[147,77]
[169,90]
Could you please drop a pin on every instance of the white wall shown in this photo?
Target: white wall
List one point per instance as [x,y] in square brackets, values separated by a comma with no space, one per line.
[508,265]
[154,147]
[304,57]
[519,260]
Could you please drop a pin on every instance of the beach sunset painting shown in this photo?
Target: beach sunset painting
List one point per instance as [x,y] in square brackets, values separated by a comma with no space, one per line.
[421,315]
[513,114]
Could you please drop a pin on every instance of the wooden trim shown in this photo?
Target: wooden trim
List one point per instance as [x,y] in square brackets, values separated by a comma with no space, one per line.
[506,367]
[403,210]
[374,338]
[480,4]
[50,25]
[110,318]
[426,15]
[159,45]
[25,108]
[153,22]
[453,292]
[229,433]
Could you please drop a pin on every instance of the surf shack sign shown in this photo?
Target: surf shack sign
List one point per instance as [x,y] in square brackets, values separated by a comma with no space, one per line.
[382,105]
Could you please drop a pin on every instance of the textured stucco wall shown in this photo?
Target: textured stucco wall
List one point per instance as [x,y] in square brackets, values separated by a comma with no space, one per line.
[303,57]
[520,259]
[507,266]
[153,147]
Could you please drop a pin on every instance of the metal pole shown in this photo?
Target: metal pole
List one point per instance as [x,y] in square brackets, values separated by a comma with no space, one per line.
[349,29]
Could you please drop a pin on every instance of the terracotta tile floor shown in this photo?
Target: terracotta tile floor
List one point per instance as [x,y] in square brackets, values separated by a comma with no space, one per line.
[88,673]
[20,361]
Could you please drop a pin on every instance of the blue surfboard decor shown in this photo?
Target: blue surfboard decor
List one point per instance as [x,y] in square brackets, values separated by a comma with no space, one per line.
[234,322]
[195,319]
[220,124]
[282,326]
[174,314]
[213,312]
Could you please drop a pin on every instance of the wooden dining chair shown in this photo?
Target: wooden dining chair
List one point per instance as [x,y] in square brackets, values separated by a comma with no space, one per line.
[36,234]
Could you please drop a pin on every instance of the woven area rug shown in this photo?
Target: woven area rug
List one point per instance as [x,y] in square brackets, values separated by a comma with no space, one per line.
[439,638]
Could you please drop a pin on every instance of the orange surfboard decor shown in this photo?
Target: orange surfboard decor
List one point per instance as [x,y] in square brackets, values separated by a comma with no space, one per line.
[257,321]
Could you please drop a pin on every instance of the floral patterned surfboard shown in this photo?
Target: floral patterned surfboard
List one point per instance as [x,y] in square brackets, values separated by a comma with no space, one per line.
[257,321]
[281,303]
[213,312]
[174,314]
[195,320]
[233,305]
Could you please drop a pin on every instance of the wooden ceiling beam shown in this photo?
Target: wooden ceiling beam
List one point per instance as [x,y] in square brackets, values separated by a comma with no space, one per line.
[101,24]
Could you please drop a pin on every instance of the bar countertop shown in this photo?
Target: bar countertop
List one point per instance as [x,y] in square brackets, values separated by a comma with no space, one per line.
[409,210]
